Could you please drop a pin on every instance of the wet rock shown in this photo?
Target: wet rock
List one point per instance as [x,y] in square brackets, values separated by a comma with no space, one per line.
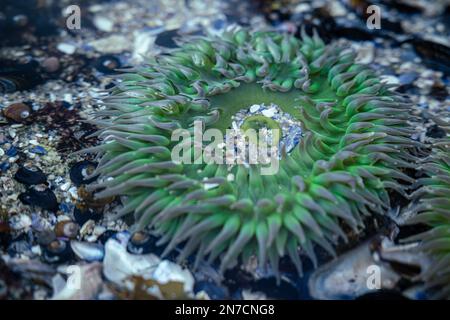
[67,229]
[57,251]
[41,197]
[30,175]
[347,277]
[17,112]
[81,170]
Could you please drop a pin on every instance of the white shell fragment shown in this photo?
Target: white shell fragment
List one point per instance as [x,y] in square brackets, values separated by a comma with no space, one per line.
[84,282]
[120,267]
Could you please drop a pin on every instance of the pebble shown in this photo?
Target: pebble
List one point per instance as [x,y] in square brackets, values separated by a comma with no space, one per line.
[269,112]
[2,152]
[51,64]
[103,24]
[408,78]
[254,108]
[390,79]
[66,48]
[38,150]
[111,44]
[20,222]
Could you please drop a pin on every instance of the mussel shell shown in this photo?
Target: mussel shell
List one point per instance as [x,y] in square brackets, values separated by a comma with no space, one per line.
[45,199]
[57,251]
[30,176]
[80,170]
[88,251]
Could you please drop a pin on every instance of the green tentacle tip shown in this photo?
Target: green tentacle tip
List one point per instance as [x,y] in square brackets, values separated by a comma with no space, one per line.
[352,149]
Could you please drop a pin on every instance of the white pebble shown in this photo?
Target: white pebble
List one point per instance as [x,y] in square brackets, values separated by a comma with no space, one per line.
[269,112]
[65,186]
[67,48]
[254,108]
[103,24]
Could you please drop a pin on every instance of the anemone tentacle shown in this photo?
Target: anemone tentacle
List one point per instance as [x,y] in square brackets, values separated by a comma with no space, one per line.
[433,209]
[355,146]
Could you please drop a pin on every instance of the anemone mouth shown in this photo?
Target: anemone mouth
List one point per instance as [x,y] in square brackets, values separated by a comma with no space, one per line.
[353,145]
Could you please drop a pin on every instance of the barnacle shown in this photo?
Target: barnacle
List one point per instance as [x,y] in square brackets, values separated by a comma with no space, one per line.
[354,146]
[433,209]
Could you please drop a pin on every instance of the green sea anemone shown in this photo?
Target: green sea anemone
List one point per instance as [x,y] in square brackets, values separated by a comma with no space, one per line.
[433,209]
[354,145]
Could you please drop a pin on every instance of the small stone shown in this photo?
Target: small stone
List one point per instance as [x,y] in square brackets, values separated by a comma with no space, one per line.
[20,222]
[51,65]
[111,44]
[389,79]
[65,186]
[269,113]
[103,24]
[408,78]
[67,48]
[254,108]
[2,152]
[38,150]
[366,54]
